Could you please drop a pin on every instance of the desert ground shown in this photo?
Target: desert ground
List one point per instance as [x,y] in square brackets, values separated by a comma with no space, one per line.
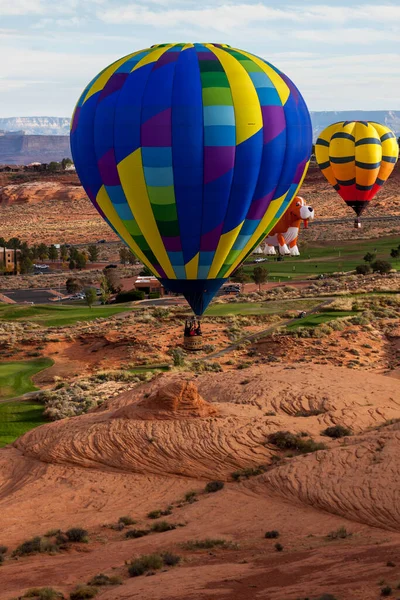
[34,207]
[265,466]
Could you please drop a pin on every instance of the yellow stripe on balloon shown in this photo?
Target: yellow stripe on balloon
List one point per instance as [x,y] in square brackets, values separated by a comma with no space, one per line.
[104,202]
[152,56]
[192,266]
[133,183]
[281,86]
[225,244]
[265,224]
[187,46]
[101,81]
[248,116]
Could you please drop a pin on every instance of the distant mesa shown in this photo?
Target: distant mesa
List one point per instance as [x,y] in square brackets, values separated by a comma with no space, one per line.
[177,399]
[45,139]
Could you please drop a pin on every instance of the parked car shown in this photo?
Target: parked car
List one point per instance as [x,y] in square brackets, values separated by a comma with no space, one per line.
[101,241]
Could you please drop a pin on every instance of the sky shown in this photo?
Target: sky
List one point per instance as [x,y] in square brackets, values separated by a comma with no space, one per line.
[343,55]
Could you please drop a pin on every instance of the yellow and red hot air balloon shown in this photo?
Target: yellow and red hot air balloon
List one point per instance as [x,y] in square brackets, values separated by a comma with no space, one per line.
[357,158]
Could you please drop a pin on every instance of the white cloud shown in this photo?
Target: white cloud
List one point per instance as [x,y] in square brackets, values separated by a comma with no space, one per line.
[348,36]
[224,16]
[21,7]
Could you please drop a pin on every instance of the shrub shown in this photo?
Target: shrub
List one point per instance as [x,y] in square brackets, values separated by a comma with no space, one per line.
[381,266]
[337,431]
[130,296]
[214,486]
[3,550]
[278,547]
[363,269]
[52,532]
[170,560]
[207,544]
[313,412]
[45,593]
[154,514]
[162,526]
[190,497]
[386,591]
[339,534]
[178,357]
[102,579]
[285,440]
[248,472]
[34,546]
[82,592]
[136,533]
[77,534]
[145,563]
[271,535]
[126,521]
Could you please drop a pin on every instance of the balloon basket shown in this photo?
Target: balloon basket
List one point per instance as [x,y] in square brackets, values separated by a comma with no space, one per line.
[192,338]
[357,224]
[193,344]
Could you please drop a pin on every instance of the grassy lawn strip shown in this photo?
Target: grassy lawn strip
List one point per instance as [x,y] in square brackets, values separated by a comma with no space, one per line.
[260,308]
[16,418]
[57,316]
[15,377]
[319,318]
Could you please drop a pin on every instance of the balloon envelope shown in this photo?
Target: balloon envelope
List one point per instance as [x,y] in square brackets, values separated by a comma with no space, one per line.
[357,157]
[191,153]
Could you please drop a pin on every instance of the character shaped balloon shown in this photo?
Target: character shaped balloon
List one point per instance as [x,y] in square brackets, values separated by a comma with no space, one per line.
[357,157]
[191,152]
[285,234]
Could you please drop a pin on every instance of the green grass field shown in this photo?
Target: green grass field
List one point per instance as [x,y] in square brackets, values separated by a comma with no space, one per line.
[58,315]
[321,317]
[15,377]
[260,308]
[16,418]
[317,259]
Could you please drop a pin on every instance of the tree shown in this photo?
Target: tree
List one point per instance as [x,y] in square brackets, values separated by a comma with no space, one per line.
[35,251]
[132,260]
[65,162]
[73,285]
[14,242]
[53,166]
[90,296]
[80,260]
[113,280]
[105,290]
[363,269]
[145,272]
[73,252]
[381,266]
[53,252]
[25,266]
[72,264]
[93,252]
[369,257]
[124,255]
[63,253]
[43,251]
[240,275]
[259,276]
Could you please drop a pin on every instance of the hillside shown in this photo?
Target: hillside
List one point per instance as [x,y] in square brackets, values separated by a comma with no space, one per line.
[320,120]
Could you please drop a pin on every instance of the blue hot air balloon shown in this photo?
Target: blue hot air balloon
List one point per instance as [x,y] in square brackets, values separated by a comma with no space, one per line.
[191,153]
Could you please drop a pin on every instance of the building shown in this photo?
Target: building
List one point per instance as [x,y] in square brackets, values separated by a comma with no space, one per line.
[7,258]
[149,285]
